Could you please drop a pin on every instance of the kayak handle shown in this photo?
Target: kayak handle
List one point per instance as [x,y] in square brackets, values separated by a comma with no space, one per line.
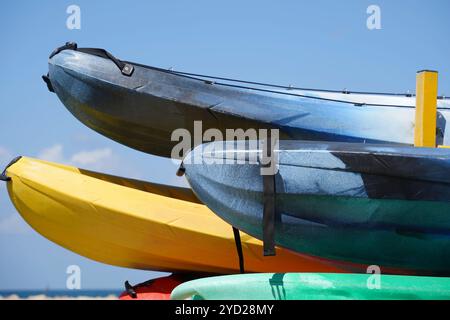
[67,46]
[130,290]
[48,83]
[126,68]
[3,176]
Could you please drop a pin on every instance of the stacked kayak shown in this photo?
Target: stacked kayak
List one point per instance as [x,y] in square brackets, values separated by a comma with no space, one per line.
[141,106]
[134,224]
[357,203]
[314,286]
[155,289]
[348,193]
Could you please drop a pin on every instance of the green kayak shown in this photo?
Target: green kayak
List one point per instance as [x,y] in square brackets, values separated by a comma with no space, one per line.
[314,286]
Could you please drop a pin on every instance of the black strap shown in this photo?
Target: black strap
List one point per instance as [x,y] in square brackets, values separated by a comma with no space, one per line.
[237,240]
[237,237]
[130,290]
[269,215]
[269,210]
[67,46]
[126,68]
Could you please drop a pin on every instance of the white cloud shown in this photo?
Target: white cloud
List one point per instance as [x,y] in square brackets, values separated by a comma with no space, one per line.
[91,157]
[96,159]
[13,224]
[53,153]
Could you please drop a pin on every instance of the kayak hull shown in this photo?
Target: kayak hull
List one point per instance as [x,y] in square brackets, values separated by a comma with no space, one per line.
[134,224]
[130,110]
[314,286]
[155,289]
[380,205]
[143,110]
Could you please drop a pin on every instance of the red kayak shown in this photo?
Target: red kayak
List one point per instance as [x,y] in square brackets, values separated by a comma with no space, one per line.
[155,289]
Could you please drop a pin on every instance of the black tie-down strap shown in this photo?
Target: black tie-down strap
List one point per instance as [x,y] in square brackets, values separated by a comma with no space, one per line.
[269,200]
[126,68]
[237,240]
[237,237]
[269,215]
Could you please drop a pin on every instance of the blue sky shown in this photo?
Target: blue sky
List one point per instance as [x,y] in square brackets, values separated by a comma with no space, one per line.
[323,44]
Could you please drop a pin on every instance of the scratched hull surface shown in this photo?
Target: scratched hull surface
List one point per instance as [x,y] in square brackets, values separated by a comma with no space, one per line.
[141,111]
[368,204]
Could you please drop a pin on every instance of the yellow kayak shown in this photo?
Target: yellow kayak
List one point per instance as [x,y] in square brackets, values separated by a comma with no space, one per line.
[135,224]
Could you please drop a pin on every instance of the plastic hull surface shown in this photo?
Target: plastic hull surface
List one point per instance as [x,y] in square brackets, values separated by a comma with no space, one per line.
[313,286]
[134,224]
[143,110]
[367,204]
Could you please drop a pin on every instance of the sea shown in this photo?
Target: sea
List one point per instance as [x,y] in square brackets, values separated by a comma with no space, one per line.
[60,294]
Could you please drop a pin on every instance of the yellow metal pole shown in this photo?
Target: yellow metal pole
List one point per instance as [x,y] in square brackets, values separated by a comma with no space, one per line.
[426,109]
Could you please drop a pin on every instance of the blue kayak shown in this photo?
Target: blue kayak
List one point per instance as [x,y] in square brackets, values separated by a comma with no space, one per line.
[350,203]
[140,106]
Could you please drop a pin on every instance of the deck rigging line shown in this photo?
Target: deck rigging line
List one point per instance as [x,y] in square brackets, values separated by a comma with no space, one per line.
[202,77]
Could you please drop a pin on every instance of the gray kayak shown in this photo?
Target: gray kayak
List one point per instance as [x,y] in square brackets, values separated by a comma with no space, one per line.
[141,106]
[349,203]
